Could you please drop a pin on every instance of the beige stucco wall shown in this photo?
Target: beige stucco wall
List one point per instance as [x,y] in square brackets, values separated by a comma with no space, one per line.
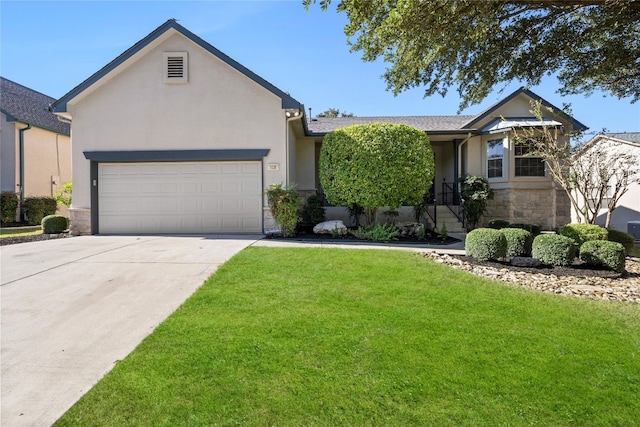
[305,176]
[133,109]
[47,160]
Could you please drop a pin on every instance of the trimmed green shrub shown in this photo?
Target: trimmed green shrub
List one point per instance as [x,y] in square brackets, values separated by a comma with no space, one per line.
[476,193]
[36,208]
[283,203]
[54,224]
[584,232]
[625,239]
[519,241]
[375,165]
[313,211]
[603,253]
[554,249]
[379,232]
[485,244]
[534,229]
[8,207]
[498,224]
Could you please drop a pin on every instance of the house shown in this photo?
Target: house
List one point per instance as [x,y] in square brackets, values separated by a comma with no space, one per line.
[35,147]
[174,136]
[628,207]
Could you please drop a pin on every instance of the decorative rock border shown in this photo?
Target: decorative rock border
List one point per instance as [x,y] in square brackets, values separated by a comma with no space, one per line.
[619,289]
[24,239]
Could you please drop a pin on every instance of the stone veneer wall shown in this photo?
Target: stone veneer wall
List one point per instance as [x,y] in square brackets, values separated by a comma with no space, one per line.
[548,207]
[79,221]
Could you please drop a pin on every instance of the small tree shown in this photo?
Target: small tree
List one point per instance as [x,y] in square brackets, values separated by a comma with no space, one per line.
[375,165]
[283,203]
[475,193]
[63,196]
[592,177]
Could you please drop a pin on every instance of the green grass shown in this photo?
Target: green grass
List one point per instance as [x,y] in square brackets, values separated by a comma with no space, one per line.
[20,231]
[326,337]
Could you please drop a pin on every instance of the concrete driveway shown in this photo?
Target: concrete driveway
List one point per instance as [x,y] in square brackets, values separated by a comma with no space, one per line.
[71,308]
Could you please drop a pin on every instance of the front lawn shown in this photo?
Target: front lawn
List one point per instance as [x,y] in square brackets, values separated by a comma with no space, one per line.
[326,337]
[20,231]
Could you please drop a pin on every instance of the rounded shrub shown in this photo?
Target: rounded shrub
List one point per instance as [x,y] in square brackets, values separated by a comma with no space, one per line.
[376,164]
[625,239]
[534,229]
[519,241]
[54,224]
[603,253]
[498,224]
[554,249]
[584,232]
[485,244]
[36,208]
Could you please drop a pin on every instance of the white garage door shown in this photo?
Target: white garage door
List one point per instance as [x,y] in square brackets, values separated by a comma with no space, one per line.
[203,197]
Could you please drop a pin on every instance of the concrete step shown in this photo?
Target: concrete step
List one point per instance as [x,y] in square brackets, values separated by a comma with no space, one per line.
[446,218]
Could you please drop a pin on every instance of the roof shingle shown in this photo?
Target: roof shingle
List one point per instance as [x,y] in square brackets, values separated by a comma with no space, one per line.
[26,105]
[625,136]
[323,125]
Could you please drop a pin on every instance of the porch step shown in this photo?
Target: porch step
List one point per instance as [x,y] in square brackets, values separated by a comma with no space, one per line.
[447,218]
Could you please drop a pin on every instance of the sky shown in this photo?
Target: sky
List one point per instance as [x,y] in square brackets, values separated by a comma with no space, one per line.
[52,46]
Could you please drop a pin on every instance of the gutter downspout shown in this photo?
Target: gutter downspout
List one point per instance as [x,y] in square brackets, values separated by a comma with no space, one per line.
[21,138]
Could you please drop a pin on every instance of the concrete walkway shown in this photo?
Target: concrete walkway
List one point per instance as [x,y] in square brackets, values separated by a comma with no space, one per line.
[71,308]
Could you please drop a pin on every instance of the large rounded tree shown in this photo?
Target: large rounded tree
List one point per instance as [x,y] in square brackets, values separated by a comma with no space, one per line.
[375,165]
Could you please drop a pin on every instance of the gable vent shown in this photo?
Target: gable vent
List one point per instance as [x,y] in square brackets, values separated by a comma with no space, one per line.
[175,67]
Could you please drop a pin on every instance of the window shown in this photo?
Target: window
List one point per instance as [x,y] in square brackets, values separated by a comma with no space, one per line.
[176,67]
[525,163]
[495,154]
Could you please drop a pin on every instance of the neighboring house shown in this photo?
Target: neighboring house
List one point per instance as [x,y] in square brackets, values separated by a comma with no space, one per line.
[628,207]
[173,136]
[35,147]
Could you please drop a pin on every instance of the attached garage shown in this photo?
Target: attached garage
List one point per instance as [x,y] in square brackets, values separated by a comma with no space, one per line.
[185,196]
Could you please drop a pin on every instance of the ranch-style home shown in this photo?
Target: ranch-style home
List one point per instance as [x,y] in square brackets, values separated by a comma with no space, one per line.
[35,147]
[174,136]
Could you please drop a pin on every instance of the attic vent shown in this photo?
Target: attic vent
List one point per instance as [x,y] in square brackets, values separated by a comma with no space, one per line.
[176,67]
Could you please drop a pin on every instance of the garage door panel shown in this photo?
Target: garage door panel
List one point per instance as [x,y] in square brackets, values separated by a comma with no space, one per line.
[208,197]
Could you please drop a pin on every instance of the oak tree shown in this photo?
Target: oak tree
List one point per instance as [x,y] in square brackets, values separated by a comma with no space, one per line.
[478,45]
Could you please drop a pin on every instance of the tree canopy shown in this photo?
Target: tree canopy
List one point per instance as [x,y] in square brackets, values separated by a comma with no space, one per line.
[478,45]
[335,112]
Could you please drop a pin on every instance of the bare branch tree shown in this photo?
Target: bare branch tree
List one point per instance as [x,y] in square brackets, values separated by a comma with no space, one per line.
[593,177]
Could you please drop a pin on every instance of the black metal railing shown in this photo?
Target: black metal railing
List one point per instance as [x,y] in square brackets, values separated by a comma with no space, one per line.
[450,197]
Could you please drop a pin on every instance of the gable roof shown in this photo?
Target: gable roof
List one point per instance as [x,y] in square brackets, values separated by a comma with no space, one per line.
[442,124]
[487,113]
[21,104]
[60,106]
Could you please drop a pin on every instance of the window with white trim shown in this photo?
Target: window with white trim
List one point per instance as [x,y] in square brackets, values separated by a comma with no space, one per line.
[526,164]
[176,67]
[495,156]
